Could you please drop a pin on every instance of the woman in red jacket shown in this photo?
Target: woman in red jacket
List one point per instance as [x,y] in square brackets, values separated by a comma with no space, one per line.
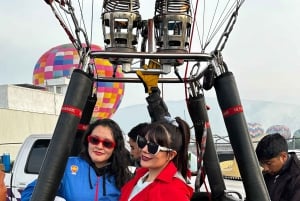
[164,160]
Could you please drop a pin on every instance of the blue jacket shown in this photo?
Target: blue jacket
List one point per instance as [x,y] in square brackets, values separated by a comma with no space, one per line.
[80,182]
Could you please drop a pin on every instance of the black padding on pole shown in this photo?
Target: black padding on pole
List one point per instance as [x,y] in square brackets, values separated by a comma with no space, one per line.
[84,122]
[230,104]
[198,112]
[62,140]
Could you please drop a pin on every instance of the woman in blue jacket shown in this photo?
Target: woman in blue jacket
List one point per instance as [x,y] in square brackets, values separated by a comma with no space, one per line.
[100,170]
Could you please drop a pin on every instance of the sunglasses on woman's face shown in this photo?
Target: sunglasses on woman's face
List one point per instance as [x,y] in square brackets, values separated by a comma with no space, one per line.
[105,142]
[153,148]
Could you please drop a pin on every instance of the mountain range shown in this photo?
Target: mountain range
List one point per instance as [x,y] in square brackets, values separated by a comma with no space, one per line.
[264,113]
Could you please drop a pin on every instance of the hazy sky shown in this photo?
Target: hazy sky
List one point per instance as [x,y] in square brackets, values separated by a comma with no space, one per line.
[262,51]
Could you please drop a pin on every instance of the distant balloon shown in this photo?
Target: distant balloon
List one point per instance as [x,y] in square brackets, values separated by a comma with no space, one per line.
[281,129]
[60,61]
[297,134]
[255,129]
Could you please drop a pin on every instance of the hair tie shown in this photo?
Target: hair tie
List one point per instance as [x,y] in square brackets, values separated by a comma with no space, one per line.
[171,121]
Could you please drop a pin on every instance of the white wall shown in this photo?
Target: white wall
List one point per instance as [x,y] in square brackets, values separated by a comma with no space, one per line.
[31,100]
[25,111]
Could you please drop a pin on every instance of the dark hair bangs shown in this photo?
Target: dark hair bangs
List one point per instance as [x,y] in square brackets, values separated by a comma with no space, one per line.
[159,134]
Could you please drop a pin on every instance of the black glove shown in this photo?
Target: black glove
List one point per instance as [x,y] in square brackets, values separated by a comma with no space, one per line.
[157,108]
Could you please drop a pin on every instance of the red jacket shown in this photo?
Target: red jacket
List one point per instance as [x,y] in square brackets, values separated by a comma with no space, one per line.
[165,187]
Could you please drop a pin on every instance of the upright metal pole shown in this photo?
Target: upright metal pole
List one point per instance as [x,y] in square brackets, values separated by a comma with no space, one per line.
[230,104]
[198,113]
[84,122]
[62,141]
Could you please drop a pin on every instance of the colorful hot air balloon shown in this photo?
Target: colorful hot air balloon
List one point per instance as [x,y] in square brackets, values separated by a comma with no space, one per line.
[281,129]
[255,129]
[60,61]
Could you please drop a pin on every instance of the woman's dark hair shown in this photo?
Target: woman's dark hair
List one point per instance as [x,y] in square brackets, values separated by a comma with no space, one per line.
[174,135]
[120,159]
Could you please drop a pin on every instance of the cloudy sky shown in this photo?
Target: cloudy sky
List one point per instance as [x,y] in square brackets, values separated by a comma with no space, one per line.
[262,51]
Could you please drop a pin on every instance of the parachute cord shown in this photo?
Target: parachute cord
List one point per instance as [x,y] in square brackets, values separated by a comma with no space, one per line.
[229,27]
[82,20]
[200,160]
[226,33]
[201,170]
[92,21]
[219,22]
[191,40]
[72,39]
[206,187]
[193,27]
[207,41]
[230,12]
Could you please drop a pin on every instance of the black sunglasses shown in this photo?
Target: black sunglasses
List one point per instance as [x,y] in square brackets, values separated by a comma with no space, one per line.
[105,142]
[153,148]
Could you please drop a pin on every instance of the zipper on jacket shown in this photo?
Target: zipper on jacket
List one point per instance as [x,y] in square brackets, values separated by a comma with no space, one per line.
[97,189]
[276,177]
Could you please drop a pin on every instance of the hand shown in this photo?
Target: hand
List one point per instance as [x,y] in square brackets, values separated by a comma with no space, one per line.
[149,80]
[157,108]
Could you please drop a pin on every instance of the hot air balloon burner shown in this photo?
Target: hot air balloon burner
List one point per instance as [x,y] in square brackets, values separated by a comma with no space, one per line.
[172,28]
[121,22]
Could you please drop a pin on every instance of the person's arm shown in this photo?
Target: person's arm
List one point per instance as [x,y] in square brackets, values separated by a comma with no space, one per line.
[157,108]
[27,192]
[3,189]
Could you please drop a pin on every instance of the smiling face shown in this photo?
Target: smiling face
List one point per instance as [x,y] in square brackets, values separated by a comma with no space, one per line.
[155,162]
[158,161]
[100,154]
